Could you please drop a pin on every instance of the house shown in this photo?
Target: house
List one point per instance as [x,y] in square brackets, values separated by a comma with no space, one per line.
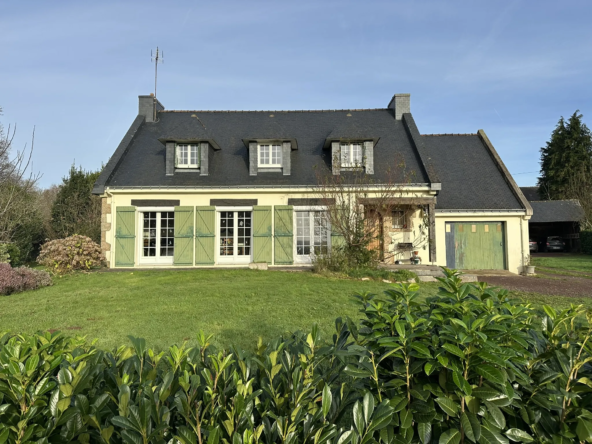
[554,218]
[228,188]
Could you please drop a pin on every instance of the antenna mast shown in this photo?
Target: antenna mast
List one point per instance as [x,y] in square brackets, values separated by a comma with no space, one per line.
[156,58]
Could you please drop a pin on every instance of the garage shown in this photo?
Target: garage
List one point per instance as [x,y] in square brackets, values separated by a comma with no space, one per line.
[475,245]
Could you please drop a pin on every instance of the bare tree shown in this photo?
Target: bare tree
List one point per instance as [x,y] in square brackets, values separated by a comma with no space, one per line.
[579,187]
[361,210]
[17,182]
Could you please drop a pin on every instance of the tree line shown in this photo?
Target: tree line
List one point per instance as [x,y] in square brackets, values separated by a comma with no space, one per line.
[29,215]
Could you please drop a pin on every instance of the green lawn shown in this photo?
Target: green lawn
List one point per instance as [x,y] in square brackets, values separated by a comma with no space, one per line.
[565,262]
[168,307]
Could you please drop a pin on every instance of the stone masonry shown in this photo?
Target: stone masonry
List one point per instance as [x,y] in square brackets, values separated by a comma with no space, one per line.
[105,226]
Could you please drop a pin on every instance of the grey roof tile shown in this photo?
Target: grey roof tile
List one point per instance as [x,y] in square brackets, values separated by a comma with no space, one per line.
[556,211]
[470,178]
[144,161]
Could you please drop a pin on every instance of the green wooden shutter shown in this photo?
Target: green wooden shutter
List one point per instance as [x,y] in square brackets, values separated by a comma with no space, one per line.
[262,234]
[283,234]
[183,236]
[125,236]
[337,239]
[205,235]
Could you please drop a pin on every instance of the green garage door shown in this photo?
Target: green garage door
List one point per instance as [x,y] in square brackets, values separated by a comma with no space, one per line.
[475,245]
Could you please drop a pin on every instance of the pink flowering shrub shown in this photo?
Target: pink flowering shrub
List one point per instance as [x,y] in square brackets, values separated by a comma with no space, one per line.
[14,280]
[72,253]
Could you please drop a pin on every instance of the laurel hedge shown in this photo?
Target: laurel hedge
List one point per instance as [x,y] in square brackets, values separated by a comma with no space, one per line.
[468,365]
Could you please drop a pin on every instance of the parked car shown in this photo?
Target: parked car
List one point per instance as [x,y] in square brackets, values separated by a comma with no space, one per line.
[555,243]
[533,246]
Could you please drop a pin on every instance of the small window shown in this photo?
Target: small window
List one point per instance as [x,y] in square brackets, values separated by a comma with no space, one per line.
[351,155]
[187,156]
[270,155]
[399,219]
[474,228]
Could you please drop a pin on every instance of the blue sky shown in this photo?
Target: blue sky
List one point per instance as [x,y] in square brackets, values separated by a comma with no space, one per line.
[74,69]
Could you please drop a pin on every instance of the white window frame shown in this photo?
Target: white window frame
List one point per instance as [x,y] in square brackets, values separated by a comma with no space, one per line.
[155,260]
[347,158]
[232,260]
[271,146]
[307,259]
[189,146]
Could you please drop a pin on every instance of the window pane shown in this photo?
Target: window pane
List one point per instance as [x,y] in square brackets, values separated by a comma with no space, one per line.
[276,155]
[345,152]
[194,160]
[182,155]
[264,157]
[357,154]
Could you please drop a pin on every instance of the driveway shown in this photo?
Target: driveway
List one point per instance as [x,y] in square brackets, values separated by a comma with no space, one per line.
[548,284]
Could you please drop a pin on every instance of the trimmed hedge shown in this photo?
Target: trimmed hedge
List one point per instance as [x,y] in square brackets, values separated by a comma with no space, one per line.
[586,240]
[469,365]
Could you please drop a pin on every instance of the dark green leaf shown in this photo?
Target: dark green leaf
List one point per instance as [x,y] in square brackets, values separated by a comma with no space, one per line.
[491,374]
[518,435]
[425,432]
[450,437]
[449,406]
[471,426]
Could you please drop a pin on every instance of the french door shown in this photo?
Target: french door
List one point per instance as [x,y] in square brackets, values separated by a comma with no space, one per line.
[312,235]
[234,237]
[158,237]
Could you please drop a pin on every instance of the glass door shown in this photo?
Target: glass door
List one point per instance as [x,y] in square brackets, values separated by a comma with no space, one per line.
[234,237]
[312,235]
[158,237]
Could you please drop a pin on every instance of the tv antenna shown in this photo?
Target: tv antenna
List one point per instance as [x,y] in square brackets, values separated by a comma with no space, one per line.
[156,58]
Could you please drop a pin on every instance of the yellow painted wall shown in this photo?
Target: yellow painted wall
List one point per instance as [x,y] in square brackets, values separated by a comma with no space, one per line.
[516,224]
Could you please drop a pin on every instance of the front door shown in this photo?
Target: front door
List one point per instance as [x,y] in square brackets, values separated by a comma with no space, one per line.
[234,237]
[158,237]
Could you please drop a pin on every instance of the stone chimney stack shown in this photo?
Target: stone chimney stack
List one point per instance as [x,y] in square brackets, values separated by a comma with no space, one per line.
[148,107]
[400,104]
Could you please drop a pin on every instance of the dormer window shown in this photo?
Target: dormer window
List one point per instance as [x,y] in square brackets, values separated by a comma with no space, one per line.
[187,156]
[270,155]
[351,155]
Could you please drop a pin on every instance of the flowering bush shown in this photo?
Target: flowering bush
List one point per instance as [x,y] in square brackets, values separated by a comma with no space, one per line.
[14,280]
[69,254]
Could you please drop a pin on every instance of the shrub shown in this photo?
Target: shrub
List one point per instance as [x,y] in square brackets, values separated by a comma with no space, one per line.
[14,280]
[4,254]
[468,365]
[14,254]
[69,254]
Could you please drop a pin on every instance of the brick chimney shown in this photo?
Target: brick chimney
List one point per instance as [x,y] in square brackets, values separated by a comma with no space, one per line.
[148,107]
[400,104]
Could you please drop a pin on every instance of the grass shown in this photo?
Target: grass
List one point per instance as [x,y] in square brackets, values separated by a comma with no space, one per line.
[565,262]
[168,307]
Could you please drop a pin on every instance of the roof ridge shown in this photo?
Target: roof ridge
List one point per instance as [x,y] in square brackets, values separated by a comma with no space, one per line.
[450,134]
[273,111]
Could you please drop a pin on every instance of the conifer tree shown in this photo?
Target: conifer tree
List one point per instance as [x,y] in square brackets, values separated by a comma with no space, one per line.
[566,159]
[75,210]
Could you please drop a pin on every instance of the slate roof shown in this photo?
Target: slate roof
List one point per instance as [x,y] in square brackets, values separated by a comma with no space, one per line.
[469,174]
[143,163]
[546,211]
[469,171]
[531,193]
